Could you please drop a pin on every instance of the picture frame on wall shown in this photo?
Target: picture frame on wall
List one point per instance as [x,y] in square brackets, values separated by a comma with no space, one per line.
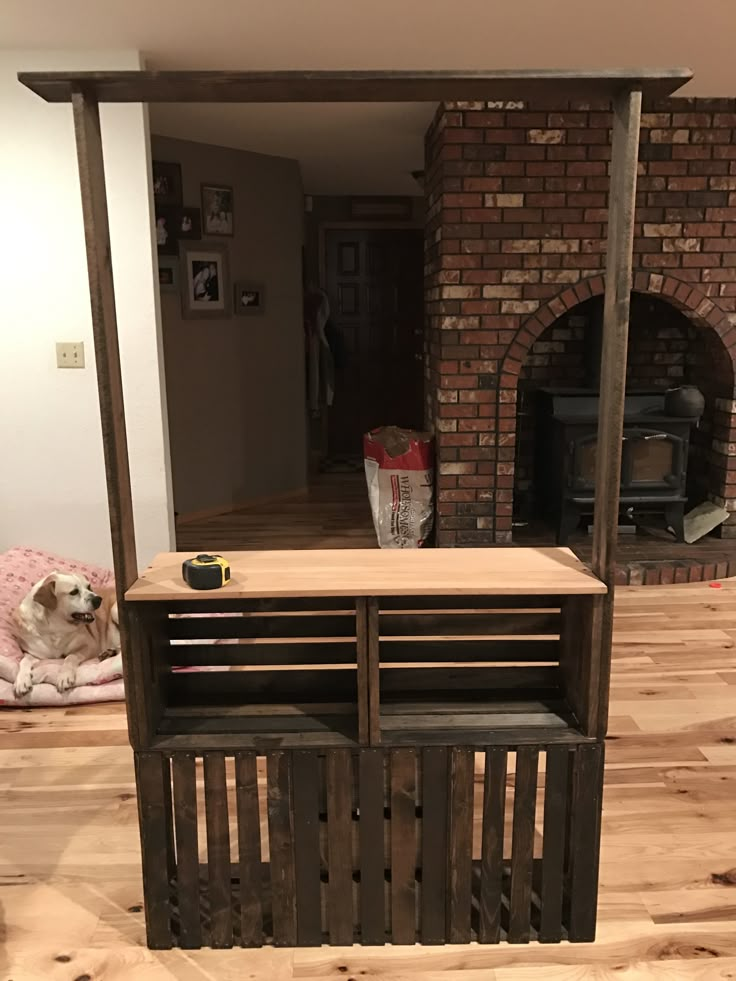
[217,209]
[166,183]
[168,274]
[174,225]
[205,285]
[249,298]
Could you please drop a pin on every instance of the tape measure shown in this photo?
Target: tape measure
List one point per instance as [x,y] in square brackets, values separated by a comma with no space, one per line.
[206,571]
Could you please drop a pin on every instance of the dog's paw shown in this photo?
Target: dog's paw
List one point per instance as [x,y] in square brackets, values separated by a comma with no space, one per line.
[67,678]
[109,653]
[22,686]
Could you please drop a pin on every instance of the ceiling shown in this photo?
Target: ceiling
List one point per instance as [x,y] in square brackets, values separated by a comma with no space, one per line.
[373,148]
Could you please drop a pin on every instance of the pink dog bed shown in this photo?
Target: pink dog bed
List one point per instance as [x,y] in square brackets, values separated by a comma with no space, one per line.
[97,681]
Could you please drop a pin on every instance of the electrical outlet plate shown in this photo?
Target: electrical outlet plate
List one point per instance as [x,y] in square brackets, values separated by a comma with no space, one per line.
[70,354]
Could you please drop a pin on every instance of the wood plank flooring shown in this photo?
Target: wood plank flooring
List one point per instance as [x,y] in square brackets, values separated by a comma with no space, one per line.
[70,889]
[333,513]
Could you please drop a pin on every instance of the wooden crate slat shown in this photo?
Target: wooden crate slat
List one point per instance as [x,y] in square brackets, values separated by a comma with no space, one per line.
[249,850]
[584,832]
[538,678]
[339,775]
[216,603]
[412,681]
[374,683]
[212,628]
[553,844]
[187,850]
[334,719]
[403,845]
[263,686]
[306,849]
[435,779]
[522,844]
[281,847]
[467,624]
[312,654]
[218,851]
[393,604]
[371,802]
[170,855]
[449,736]
[453,649]
[460,855]
[492,841]
[363,678]
[155,823]
[234,742]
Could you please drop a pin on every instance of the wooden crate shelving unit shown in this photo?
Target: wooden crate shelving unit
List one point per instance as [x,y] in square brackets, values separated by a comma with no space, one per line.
[368,685]
[323,789]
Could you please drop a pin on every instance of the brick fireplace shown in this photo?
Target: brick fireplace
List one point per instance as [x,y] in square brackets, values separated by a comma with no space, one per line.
[515,254]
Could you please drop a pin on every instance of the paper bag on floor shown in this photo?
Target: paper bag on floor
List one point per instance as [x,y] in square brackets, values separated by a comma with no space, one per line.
[400,476]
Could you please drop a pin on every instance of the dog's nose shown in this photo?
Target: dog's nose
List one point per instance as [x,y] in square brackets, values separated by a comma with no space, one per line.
[96,601]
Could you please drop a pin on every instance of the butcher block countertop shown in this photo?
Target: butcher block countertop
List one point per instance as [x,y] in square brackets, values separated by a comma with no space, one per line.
[375,572]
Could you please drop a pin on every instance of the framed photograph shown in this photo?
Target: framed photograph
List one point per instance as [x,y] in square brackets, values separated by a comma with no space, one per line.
[166,183]
[174,225]
[217,209]
[249,298]
[205,288]
[168,274]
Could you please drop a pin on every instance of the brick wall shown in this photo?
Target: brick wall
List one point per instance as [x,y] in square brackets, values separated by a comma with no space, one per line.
[517,198]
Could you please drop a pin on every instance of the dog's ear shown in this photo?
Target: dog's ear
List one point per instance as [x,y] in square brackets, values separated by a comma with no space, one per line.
[46,593]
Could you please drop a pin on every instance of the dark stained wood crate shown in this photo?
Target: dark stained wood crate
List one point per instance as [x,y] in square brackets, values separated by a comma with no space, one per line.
[373,846]
[317,779]
[397,670]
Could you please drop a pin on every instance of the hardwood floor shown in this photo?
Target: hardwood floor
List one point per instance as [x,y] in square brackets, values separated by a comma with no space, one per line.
[333,513]
[70,889]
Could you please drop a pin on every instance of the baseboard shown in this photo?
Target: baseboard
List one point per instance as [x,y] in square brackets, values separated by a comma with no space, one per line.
[253,502]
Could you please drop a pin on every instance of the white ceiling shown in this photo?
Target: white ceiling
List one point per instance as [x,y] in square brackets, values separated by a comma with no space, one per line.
[372,148]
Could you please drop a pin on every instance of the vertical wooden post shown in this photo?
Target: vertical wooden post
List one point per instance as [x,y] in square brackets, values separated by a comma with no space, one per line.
[110,389]
[622,200]
[104,326]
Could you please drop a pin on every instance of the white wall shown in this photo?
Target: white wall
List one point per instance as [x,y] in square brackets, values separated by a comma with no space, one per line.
[52,475]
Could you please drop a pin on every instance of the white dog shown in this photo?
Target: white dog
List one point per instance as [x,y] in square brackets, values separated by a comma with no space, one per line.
[61,617]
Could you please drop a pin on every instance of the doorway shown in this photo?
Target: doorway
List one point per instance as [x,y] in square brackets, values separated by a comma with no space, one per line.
[374,280]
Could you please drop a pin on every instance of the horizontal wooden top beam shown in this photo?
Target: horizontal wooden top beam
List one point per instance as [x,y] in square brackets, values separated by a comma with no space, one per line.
[376,572]
[364,86]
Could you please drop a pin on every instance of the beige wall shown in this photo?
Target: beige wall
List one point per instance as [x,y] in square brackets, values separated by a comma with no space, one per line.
[235,387]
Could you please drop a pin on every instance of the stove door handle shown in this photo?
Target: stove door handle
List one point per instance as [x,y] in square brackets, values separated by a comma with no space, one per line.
[656,436]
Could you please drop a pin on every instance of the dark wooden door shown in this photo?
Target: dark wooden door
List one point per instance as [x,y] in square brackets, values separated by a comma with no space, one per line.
[375,286]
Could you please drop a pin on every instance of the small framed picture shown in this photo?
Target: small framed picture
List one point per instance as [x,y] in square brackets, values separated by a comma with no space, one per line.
[249,298]
[205,287]
[217,209]
[168,274]
[166,183]
[174,225]
[167,239]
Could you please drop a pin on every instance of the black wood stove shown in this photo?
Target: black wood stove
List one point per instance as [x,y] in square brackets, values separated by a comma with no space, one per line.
[654,457]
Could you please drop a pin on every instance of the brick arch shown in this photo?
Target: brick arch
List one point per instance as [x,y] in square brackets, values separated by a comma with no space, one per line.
[687,299]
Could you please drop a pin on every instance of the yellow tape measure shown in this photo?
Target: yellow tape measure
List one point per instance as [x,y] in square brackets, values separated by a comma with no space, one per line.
[206,571]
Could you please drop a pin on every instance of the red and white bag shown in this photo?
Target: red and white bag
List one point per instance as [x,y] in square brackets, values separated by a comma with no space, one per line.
[400,475]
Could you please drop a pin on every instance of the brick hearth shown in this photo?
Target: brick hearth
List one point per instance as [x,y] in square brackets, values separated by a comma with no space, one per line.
[516,198]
